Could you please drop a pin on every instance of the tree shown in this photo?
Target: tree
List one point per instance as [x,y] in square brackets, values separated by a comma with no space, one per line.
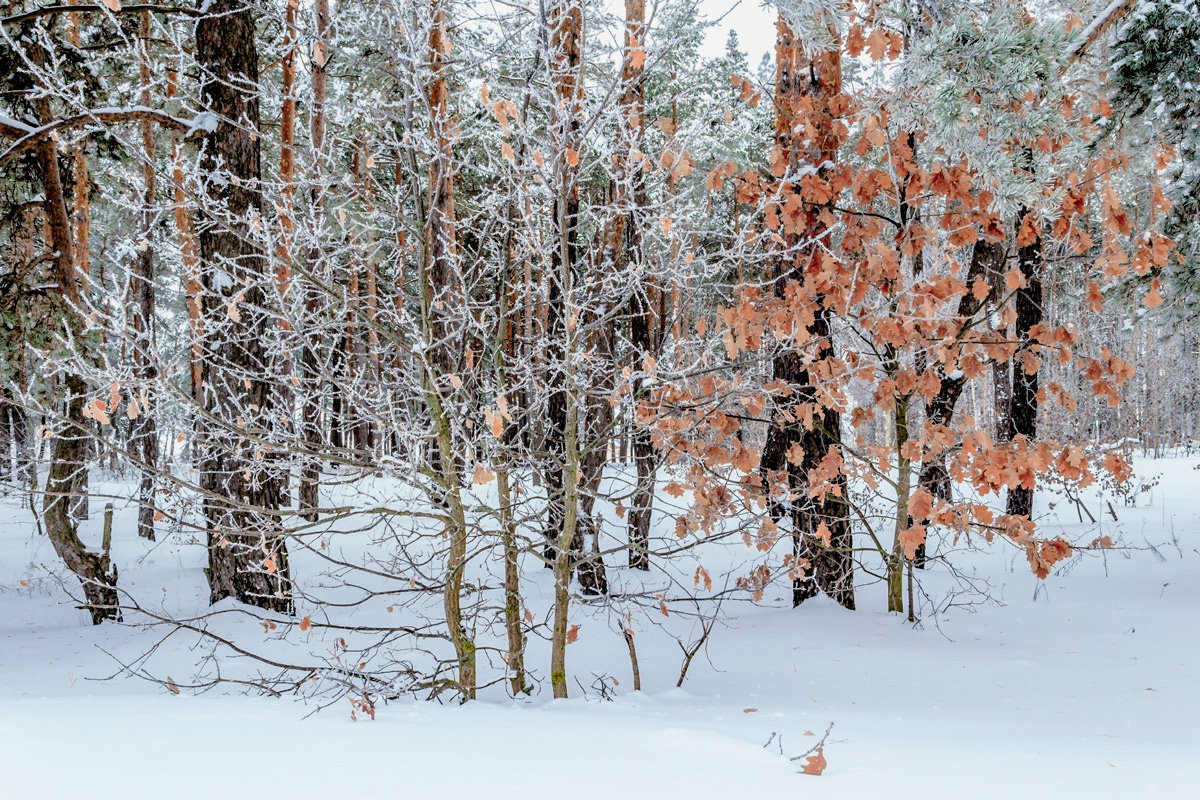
[247,549]
[808,103]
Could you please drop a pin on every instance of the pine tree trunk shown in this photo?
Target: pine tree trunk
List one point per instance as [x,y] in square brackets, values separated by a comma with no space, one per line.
[566,37]
[287,226]
[247,550]
[69,458]
[144,431]
[310,372]
[81,190]
[562,458]
[6,440]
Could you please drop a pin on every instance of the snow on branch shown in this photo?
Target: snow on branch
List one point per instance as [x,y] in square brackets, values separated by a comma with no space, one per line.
[29,136]
[1113,12]
[45,11]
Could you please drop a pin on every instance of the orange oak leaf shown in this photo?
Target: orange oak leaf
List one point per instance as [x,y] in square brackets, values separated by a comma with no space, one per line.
[816,763]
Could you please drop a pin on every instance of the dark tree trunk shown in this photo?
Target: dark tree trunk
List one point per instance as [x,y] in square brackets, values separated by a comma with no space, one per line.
[6,440]
[99,584]
[308,500]
[566,45]
[1023,416]
[595,440]
[629,196]
[247,552]
[144,431]
[1002,394]
[808,82]
[644,457]
[986,260]
[69,457]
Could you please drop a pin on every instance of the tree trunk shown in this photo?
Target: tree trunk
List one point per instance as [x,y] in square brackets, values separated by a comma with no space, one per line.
[81,191]
[1023,416]
[287,225]
[805,88]
[6,440]
[247,551]
[310,377]
[70,446]
[144,431]
[629,200]
[986,260]
[562,459]
[443,306]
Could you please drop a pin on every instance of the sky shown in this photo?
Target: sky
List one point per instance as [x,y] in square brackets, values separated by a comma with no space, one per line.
[753,20]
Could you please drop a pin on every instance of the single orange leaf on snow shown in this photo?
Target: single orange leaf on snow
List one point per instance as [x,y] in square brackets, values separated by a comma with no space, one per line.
[572,634]
[306,623]
[816,763]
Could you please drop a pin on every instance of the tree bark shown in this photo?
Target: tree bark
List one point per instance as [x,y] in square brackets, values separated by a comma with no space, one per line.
[986,260]
[810,85]
[70,446]
[566,38]
[144,431]
[629,202]
[247,551]
[310,377]
[1028,302]
[443,308]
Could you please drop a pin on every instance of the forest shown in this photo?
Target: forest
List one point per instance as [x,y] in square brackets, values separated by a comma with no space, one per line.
[541,375]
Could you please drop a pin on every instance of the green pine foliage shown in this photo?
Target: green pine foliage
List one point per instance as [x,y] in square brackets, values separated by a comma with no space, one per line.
[1156,75]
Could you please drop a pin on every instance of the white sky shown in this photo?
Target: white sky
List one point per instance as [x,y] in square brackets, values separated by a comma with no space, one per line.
[753,20]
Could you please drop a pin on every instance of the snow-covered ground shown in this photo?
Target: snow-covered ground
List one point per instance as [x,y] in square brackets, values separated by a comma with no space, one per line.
[1080,686]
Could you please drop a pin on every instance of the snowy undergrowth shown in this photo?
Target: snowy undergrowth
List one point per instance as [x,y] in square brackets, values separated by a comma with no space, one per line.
[1079,686]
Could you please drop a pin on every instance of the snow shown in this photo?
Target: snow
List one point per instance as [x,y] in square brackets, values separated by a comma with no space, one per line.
[1080,686]
[204,121]
[1102,19]
[14,124]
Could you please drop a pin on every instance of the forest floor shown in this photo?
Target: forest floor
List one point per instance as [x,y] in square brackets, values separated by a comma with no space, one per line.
[1084,685]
